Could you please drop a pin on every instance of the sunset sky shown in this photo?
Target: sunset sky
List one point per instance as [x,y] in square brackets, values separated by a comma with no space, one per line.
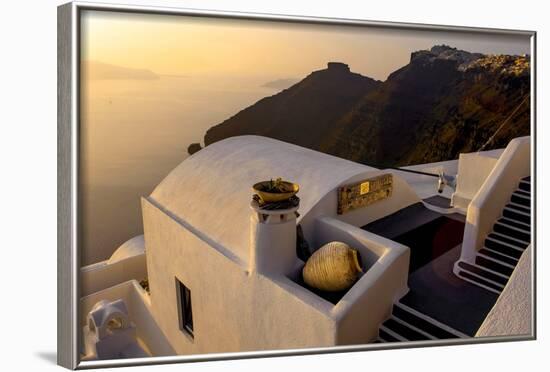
[200,46]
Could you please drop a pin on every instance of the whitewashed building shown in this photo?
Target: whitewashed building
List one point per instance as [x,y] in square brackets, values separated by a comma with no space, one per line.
[224,276]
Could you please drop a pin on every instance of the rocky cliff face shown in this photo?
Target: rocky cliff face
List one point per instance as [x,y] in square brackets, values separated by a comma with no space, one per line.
[444,102]
[488,91]
[302,114]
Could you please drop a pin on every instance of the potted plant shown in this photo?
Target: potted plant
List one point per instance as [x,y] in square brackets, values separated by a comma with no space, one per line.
[275,190]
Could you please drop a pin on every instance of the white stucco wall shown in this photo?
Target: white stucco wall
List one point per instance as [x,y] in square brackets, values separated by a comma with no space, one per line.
[235,309]
[512,313]
[473,170]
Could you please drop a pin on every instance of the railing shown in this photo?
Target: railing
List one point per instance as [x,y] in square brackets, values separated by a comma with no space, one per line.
[487,204]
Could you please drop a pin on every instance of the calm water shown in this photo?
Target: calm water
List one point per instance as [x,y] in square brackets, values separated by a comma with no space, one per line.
[133,133]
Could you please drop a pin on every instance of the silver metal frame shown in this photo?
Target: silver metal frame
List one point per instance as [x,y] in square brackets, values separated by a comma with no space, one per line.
[68,256]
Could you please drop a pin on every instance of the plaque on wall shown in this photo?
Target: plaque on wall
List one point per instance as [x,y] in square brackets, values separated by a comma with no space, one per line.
[364,193]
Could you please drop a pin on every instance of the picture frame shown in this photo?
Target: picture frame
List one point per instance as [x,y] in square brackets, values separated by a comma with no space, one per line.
[70,202]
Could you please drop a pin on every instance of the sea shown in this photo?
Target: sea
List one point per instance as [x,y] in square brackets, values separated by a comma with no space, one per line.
[132,134]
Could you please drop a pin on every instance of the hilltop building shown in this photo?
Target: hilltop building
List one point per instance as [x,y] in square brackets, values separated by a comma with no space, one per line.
[338,66]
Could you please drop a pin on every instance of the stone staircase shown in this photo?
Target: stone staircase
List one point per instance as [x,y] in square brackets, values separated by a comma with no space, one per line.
[408,324]
[495,262]
[492,268]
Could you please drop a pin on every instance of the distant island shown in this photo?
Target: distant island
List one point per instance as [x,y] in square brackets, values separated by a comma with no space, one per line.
[94,70]
[444,102]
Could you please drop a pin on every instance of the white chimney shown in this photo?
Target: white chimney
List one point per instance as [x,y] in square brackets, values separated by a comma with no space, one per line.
[272,240]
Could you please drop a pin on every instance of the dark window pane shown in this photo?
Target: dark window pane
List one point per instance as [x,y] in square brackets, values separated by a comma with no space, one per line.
[184,308]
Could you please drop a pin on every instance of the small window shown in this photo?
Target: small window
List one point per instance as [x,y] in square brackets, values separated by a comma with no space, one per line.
[185,310]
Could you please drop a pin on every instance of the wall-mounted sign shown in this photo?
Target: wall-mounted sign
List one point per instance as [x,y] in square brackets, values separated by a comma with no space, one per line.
[364,193]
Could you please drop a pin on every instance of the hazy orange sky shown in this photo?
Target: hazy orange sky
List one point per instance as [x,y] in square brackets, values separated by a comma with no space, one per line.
[185,45]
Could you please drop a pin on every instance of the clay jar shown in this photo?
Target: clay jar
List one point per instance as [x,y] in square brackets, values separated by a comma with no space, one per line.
[333,267]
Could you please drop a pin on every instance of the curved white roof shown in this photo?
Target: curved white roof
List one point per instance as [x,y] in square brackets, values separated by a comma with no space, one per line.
[212,189]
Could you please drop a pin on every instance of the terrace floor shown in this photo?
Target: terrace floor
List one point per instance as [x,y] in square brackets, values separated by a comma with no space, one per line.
[437,292]
[435,240]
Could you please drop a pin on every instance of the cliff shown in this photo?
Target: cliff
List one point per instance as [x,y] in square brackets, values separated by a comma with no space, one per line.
[302,114]
[443,102]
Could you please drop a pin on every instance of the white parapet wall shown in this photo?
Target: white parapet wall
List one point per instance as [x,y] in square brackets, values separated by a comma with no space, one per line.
[512,313]
[473,170]
[487,205]
[127,262]
[370,301]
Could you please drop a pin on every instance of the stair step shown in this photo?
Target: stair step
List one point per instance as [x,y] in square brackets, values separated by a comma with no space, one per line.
[519,207]
[503,248]
[493,266]
[516,215]
[483,273]
[403,330]
[511,231]
[484,283]
[516,224]
[525,185]
[400,311]
[520,199]
[386,336]
[515,243]
[527,179]
[523,193]
[498,256]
